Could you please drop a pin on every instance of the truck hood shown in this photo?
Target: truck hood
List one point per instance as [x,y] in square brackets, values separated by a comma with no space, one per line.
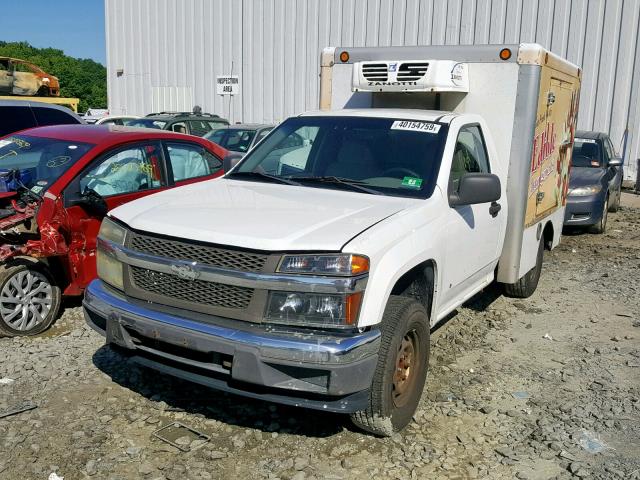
[261,216]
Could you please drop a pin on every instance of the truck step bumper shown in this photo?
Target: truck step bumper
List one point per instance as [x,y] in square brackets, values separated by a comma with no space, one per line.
[314,370]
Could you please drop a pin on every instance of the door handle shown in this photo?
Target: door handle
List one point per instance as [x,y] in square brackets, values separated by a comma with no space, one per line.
[494,209]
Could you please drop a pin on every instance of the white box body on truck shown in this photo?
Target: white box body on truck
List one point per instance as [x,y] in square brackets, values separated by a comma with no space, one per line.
[312,273]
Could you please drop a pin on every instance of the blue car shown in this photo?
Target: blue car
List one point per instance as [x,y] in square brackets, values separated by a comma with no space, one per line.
[594,182]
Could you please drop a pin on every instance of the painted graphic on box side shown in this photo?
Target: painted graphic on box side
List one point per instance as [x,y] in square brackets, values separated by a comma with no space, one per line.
[552,145]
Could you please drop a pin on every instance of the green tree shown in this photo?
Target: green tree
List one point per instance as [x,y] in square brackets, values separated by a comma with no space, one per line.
[80,78]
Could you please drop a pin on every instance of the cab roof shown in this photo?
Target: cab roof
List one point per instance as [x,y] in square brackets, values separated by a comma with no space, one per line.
[98,134]
[399,113]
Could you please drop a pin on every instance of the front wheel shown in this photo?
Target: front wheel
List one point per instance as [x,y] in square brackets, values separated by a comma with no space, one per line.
[615,205]
[601,226]
[402,367]
[29,300]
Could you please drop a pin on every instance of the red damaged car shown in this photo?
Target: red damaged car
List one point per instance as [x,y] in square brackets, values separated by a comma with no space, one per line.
[56,184]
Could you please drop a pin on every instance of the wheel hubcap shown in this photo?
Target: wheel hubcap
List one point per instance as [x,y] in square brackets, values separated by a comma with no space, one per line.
[405,368]
[25,300]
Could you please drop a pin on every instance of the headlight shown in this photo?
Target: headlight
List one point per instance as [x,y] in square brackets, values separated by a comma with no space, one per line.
[110,230]
[324,264]
[312,309]
[109,268]
[584,191]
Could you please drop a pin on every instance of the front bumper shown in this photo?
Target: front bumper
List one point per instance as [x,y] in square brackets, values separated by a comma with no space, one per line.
[583,211]
[315,370]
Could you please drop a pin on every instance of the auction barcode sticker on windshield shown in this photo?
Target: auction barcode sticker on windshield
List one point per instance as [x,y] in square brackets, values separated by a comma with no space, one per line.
[426,127]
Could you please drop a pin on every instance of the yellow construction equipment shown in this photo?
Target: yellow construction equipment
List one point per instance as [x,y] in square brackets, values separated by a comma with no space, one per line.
[72,103]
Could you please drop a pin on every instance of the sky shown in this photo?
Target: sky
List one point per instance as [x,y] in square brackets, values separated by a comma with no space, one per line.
[74,26]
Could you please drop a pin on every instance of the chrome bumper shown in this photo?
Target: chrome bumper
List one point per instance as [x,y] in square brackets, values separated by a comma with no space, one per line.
[315,370]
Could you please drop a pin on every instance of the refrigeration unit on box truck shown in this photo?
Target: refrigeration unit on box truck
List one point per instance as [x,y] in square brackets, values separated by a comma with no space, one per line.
[313,272]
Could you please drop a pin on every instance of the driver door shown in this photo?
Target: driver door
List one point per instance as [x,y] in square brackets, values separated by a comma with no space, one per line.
[117,177]
[473,231]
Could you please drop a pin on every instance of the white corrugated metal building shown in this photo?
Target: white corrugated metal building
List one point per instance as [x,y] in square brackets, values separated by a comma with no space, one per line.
[166,54]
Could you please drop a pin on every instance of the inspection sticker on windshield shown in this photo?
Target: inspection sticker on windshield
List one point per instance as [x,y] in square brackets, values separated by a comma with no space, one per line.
[412,182]
[426,127]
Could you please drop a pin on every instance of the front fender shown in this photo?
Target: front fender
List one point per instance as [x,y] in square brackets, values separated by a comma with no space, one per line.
[394,247]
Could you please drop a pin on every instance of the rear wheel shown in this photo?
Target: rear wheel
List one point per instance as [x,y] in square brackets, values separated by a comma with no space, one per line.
[402,367]
[615,205]
[601,226]
[29,300]
[525,287]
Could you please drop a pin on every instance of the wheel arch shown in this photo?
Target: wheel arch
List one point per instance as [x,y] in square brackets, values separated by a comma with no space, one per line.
[548,235]
[418,282]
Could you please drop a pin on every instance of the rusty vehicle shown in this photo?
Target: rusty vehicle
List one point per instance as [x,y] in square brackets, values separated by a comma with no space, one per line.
[56,185]
[19,77]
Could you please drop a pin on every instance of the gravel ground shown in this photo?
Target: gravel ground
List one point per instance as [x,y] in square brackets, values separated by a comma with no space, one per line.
[542,388]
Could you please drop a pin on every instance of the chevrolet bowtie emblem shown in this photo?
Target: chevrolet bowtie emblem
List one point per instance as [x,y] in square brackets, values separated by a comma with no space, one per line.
[185,272]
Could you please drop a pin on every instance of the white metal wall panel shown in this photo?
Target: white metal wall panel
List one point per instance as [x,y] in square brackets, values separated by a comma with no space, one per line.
[274,47]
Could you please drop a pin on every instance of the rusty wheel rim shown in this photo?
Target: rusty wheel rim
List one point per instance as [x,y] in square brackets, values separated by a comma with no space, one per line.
[404,375]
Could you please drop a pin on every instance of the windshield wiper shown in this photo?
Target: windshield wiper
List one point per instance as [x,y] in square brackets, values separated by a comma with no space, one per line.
[347,182]
[264,176]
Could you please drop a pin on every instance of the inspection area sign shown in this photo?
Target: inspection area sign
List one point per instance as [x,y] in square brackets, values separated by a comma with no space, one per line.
[227,85]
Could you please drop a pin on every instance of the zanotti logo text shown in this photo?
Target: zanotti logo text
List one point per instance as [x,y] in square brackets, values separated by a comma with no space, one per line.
[377,84]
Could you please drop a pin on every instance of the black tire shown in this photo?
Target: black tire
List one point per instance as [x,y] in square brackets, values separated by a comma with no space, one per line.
[395,392]
[50,294]
[601,226]
[615,205]
[525,287]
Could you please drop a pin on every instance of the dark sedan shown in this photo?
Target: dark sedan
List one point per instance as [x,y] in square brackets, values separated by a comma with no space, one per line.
[594,183]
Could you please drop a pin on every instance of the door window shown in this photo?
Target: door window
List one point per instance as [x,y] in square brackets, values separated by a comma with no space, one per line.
[263,133]
[469,156]
[53,116]
[608,148]
[198,127]
[191,161]
[126,171]
[14,118]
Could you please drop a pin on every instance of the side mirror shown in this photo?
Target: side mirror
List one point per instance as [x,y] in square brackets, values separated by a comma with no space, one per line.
[231,160]
[476,188]
[615,162]
[92,202]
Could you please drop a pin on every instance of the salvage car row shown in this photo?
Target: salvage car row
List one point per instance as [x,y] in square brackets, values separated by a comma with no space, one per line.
[312,273]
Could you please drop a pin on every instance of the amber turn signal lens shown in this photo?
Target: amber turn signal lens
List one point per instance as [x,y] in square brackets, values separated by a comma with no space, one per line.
[352,308]
[344,57]
[505,54]
[359,264]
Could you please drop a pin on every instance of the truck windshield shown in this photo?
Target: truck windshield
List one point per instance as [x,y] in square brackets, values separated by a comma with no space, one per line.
[380,155]
[35,162]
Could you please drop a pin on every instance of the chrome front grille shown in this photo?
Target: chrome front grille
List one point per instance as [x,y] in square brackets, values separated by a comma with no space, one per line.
[205,254]
[194,291]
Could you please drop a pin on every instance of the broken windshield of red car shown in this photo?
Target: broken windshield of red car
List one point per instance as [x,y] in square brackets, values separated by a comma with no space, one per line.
[35,163]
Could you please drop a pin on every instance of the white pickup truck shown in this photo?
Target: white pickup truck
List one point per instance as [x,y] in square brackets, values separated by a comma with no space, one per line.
[312,273]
